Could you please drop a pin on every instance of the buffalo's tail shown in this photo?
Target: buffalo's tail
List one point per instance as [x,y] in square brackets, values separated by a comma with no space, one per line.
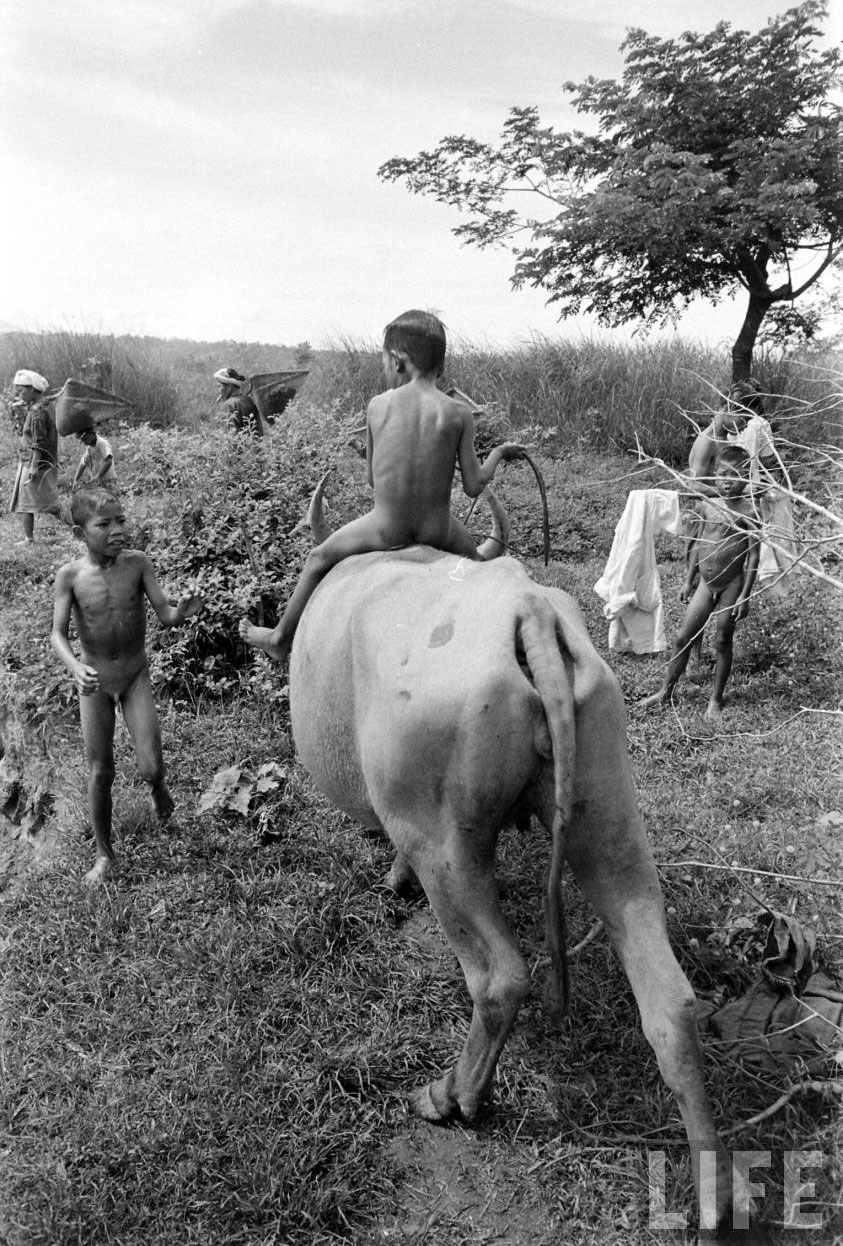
[545,651]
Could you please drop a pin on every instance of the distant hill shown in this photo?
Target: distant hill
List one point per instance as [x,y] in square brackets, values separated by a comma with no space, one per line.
[180,353]
[200,358]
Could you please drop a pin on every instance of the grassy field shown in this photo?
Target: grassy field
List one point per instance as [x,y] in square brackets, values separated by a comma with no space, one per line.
[216,1047]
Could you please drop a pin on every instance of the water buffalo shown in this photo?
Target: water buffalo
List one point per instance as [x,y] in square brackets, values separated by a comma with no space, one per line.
[441,699]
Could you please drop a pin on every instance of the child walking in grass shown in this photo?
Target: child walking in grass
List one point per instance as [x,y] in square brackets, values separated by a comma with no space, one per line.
[725,554]
[96,466]
[415,437]
[106,591]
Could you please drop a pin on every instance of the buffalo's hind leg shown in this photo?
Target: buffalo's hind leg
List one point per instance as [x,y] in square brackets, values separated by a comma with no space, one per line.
[611,858]
[456,869]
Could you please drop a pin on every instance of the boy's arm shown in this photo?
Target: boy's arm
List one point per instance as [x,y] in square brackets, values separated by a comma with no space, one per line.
[107,458]
[170,616]
[699,478]
[84,676]
[750,570]
[369,446]
[693,569]
[476,475]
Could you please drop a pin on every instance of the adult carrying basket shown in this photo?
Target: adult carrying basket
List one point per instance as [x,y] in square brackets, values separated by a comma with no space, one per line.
[271,392]
[80,405]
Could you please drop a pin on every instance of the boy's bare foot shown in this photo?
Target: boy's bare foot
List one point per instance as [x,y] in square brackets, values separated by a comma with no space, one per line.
[713,710]
[163,801]
[98,872]
[263,638]
[657,698]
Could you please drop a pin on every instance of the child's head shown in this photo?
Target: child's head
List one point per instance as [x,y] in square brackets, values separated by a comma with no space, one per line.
[747,394]
[90,501]
[731,469]
[417,337]
[88,435]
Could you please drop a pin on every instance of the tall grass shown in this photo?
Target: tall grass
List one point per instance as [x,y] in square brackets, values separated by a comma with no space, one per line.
[594,395]
[587,394]
[167,381]
[135,376]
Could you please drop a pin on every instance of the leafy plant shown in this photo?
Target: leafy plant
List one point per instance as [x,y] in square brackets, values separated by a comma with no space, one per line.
[237,790]
[231,529]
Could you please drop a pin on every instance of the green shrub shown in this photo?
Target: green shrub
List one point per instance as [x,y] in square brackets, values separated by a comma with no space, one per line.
[230,526]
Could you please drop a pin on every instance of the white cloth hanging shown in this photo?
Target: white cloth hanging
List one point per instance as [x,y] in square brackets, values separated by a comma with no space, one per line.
[630,584]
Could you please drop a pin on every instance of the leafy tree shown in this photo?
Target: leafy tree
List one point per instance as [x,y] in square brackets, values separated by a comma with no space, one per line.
[716,164]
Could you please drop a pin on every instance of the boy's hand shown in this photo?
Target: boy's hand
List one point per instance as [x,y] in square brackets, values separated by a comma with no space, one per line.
[511,450]
[686,592]
[87,680]
[740,610]
[190,605]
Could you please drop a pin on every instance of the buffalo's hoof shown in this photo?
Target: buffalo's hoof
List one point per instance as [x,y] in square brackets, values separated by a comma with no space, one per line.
[436,1103]
[402,878]
[424,1105]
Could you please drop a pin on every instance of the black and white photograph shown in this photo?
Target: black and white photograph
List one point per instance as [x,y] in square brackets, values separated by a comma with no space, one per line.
[421,582]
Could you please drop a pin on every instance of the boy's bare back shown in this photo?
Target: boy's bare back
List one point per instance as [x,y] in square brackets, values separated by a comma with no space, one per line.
[417,436]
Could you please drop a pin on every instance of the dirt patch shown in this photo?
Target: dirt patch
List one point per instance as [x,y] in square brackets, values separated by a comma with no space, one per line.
[455,1186]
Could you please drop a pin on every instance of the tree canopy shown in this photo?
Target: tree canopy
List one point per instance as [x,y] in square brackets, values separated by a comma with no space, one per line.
[715,165]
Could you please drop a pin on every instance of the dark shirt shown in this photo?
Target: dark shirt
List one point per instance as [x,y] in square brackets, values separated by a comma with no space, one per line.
[244,415]
[39,438]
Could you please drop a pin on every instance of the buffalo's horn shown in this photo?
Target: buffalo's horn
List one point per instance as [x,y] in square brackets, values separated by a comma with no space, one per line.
[316,512]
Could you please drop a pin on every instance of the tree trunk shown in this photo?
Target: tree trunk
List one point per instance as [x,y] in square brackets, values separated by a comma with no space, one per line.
[742,350]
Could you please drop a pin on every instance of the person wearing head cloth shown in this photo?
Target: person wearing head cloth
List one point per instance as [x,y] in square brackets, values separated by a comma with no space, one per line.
[756,436]
[35,490]
[243,415]
[769,476]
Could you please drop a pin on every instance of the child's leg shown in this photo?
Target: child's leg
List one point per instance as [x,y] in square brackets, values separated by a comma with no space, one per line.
[696,616]
[96,713]
[141,719]
[361,536]
[460,540]
[723,644]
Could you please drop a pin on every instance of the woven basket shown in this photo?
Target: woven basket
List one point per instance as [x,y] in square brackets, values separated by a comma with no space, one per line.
[79,405]
[272,391]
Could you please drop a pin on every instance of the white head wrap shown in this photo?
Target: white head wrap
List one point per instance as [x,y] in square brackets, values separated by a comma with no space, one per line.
[225,378]
[24,377]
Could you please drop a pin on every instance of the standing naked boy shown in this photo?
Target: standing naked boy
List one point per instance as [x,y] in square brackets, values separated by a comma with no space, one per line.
[106,590]
[415,437]
[725,553]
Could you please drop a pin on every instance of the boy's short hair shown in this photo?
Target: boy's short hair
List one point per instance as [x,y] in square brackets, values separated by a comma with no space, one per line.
[732,455]
[90,500]
[420,336]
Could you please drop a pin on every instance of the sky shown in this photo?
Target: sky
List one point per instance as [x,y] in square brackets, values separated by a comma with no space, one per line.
[207,169]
